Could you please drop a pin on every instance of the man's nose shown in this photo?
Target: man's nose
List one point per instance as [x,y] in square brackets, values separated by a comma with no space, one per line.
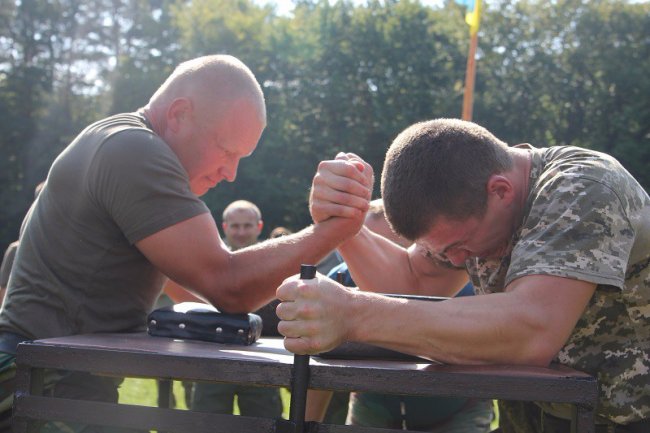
[229,171]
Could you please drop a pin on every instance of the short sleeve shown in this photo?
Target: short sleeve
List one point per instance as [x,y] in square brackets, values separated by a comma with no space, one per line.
[576,228]
[141,184]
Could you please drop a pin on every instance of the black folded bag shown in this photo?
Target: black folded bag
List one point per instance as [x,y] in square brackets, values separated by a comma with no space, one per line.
[197,321]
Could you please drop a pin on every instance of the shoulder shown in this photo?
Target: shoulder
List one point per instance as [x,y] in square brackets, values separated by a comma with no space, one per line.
[581,165]
[567,175]
[129,146]
[129,134]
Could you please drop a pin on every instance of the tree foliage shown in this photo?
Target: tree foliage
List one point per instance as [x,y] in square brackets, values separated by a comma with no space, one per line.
[337,76]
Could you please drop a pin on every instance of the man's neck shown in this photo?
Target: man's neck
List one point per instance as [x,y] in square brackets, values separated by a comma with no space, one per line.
[520,175]
[156,124]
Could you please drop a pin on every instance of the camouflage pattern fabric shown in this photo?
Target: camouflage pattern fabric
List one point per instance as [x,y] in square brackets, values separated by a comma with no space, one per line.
[587,218]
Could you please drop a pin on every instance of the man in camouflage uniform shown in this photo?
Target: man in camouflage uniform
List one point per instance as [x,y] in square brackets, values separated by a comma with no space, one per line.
[558,239]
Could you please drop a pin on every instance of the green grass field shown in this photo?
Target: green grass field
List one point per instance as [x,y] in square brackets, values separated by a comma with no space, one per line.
[144,392]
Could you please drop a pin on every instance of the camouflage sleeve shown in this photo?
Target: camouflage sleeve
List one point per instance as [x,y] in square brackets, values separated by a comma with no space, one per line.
[576,228]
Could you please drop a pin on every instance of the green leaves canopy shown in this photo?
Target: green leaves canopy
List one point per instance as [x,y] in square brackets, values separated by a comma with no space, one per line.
[338,76]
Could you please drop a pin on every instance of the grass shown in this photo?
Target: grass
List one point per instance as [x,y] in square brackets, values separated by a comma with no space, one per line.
[144,392]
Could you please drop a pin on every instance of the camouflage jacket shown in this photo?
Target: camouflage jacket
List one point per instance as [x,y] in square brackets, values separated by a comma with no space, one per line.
[587,218]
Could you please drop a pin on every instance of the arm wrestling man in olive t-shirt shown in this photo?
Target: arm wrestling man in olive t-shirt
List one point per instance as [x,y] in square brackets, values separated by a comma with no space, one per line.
[120,213]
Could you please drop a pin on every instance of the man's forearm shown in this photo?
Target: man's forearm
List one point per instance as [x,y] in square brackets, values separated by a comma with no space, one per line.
[256,272]
[381,266]
[470,330]
[377,264]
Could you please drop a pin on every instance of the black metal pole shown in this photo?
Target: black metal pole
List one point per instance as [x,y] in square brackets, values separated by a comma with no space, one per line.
[300,373]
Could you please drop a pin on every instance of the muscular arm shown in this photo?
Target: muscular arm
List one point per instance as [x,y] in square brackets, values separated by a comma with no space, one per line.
[379,265]
[527,324]
[178,293]
[192,253]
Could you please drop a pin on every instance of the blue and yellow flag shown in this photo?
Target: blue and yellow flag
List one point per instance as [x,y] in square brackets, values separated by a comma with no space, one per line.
[473,14]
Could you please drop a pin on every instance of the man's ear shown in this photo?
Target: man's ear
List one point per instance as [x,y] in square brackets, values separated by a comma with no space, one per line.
[260,225]
[224,225]
[178,112]
[501,187]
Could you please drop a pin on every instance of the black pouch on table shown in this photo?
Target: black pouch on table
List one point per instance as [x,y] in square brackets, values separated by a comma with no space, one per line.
[197,321]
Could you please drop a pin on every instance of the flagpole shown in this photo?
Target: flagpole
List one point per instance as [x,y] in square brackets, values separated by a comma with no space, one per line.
[470,74]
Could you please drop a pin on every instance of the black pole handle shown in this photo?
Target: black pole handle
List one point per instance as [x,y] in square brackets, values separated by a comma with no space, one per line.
[300,372]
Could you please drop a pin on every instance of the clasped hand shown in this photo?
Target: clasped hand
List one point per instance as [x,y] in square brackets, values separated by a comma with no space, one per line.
[342,188]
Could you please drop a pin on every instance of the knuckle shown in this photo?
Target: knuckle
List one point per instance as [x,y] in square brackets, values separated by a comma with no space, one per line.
[312,345]
[318,180]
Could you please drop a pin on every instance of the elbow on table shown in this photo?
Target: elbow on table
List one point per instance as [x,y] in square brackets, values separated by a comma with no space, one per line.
[540,351]
[220,291]
[230,299]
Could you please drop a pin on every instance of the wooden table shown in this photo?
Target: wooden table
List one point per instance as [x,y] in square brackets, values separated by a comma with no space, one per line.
[266,363]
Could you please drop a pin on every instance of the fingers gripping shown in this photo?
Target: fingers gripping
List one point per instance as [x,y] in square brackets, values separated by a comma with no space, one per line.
[341,188]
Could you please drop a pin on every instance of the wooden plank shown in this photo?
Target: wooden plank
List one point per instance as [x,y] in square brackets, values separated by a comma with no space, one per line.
[501,382]
[161,419]
[270,365]
[267,363]
[255,371]
[138,417]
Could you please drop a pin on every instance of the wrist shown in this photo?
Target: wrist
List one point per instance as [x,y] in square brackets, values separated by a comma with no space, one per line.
[336,230]
[355,311]
[355,244]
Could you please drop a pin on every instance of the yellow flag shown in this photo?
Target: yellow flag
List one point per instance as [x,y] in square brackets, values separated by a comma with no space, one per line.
[473,17]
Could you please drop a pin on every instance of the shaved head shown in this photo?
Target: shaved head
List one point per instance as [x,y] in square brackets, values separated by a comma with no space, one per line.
[212,83]
[211,113]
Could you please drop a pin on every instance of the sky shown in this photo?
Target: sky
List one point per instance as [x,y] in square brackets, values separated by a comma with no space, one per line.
[283,7]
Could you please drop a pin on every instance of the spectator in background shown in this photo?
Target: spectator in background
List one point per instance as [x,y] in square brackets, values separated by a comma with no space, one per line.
[279,231]
[242,224]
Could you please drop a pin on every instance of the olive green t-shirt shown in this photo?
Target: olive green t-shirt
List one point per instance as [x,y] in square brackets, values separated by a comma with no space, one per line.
[77,269]
[587,219]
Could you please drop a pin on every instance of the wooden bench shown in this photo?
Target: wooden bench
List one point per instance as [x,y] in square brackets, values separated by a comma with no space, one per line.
[265,363]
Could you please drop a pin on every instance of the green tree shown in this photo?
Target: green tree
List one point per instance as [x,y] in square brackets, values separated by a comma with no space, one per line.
[26,77]
[337,76]
[611,113]
[345,78]
[150,50]
[568,73]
